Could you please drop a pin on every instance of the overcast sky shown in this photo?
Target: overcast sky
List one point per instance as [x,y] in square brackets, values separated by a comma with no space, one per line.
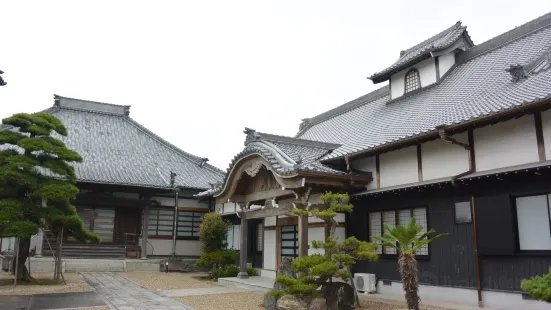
[198,72]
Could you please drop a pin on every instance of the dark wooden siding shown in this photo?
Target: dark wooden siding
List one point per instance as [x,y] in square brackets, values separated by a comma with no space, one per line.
[452,259]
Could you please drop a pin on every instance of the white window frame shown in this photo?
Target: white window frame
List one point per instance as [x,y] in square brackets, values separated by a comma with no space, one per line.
[533,215]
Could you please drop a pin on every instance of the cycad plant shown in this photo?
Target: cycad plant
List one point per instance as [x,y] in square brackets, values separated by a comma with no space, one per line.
[407,240]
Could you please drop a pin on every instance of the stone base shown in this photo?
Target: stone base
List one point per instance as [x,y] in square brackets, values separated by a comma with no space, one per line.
[243,275]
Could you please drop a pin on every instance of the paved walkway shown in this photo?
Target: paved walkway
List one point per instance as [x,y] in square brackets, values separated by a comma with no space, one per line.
[122,294]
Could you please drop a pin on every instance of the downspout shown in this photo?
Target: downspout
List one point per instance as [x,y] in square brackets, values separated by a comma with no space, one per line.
[472,168]
[444,136]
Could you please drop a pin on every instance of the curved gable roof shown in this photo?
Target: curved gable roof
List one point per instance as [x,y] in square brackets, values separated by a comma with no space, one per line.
[118,150]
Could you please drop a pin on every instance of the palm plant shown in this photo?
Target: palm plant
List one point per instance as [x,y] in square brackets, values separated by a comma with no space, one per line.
[407,240]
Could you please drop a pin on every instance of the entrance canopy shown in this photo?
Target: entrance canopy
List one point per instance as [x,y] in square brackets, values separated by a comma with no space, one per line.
[272,167]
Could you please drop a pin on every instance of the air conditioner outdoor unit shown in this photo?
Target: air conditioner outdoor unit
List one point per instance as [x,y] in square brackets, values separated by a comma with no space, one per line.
[365,282]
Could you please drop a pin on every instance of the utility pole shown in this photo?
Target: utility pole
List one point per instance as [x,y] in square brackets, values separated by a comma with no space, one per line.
[175,228]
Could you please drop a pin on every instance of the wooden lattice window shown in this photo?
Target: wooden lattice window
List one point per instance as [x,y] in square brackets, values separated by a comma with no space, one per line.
[161,223]
[289,241]
[377,220]
[413,81]
[189,223]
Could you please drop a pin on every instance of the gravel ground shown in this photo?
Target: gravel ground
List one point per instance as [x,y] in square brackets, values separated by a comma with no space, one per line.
[253,301]
[377,304]
[237,301]
[167,281]
[75,283]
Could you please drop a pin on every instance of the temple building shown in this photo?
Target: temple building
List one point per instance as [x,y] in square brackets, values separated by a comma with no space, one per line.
[459,138]
[129,180]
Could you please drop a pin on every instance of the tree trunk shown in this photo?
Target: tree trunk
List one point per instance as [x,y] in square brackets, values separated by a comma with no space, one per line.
[22,273]
[408,272]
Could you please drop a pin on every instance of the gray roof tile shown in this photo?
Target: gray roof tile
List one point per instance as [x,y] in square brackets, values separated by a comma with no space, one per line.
[423,50]
[118,150]
[478,86]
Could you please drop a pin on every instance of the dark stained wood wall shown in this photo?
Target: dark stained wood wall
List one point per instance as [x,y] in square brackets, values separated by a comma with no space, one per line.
[452,260]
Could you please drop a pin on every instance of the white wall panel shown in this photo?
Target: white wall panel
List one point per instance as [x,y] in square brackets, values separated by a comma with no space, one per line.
[546,126]
[340,233]
[269,250]
[399,167]
[445,62]
[367,164]
[442,159]
[270,221]
[427,75]
[315,233]
[182,202]
[506,144]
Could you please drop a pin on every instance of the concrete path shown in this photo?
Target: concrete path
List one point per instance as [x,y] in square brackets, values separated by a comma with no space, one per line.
[122,294]
[203,291]
[50,301]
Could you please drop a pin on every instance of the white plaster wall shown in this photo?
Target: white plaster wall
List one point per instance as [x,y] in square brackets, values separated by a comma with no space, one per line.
[442,159]
[399,167]
[183,247]
[546,126]
[182,202]
[367,164]
[445,62]
[506,144]
[228,207]
[340,233]
[318,234]
[269,250]
[8,244]
[270,221]
[427,74]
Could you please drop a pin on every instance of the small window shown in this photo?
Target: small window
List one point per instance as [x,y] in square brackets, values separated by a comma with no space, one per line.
[463,214]
[189,223]
[259,237]
[413,81]
[377,220]
[534,223]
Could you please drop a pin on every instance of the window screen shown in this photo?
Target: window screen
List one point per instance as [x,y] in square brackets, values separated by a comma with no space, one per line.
[289,241]
[259,237]
[534,222]
[188,223]
[161,222]
[412,80]
[463,213]
[397,217]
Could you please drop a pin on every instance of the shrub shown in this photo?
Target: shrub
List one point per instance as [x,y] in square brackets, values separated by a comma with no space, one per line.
[213,232]
[226,271]
[539,287]
[217,259]
[252,272]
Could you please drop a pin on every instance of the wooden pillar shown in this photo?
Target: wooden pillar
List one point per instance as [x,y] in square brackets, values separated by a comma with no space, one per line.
[243,248]
[302,235]
[145,231]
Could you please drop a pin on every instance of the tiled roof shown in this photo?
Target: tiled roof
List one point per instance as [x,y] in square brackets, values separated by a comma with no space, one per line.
[286,155]
[423,50]
[118,150]
[477,86]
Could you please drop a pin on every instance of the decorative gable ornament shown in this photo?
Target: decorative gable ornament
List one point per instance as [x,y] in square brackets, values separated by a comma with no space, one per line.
[517,72]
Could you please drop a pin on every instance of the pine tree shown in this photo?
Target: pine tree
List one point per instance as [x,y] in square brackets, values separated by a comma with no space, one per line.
[36,167]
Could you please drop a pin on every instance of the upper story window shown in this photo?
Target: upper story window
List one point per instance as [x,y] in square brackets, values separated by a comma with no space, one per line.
[413,81]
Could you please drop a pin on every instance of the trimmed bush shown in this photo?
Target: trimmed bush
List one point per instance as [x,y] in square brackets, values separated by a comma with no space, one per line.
[539,287]
[217,259]
[213,232]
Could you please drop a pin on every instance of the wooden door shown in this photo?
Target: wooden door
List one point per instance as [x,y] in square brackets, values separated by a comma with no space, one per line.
[128,225]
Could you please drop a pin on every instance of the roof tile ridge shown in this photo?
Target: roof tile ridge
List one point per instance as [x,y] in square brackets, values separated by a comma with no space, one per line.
[90,101]
[296,141]
[505,38]
[343,108]
[432,38]
[158,138]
